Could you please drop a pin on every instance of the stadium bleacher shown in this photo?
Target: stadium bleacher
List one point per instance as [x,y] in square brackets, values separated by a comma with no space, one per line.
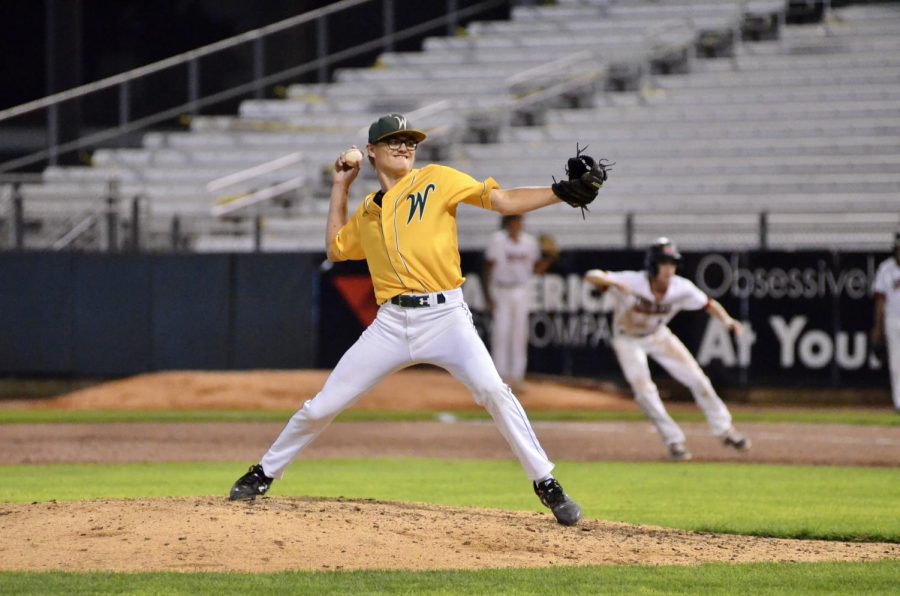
[804,128]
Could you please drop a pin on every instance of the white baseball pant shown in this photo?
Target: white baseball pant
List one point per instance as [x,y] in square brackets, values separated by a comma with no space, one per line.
[509,333]
[442,335]
[892,336]
[663,346]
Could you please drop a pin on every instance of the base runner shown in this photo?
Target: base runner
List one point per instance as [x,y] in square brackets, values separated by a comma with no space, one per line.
[406,231]
[644,303]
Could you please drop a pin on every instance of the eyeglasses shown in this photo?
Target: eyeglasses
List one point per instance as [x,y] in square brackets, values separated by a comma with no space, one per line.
[395,142]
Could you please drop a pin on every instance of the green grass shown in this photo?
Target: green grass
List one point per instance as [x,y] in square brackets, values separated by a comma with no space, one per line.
[119,416]
[773,416]
[782,501]
[824,578]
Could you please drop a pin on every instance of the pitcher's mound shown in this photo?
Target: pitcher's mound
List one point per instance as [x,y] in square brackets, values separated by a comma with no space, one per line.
[275,534]
[415,389]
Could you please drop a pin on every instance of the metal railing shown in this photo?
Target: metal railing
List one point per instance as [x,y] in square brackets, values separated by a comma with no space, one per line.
[13,215]
[254,198]
[254,172]
[256,39]
[549,69]
[75,232]
[232,204]
[761,230]
[6,226]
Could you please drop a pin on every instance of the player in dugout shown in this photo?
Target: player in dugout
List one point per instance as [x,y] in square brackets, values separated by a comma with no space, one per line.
[406,232]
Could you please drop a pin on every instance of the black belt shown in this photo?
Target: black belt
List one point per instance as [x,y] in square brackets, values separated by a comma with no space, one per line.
[413,301]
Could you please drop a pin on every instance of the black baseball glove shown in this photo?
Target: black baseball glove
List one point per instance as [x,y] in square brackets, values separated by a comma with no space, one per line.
[585,177]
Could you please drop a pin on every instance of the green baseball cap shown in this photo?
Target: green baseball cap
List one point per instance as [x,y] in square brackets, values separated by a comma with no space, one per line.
[390,125]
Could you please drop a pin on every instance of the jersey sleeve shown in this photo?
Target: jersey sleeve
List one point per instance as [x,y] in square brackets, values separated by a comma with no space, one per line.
[346,245]
[695,298]
[621,278]
[880,286]
[462,188]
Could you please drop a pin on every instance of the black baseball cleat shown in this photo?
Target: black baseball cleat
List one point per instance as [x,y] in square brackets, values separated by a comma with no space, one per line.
[551,494]
[678,452]
[253,484]
[735,440]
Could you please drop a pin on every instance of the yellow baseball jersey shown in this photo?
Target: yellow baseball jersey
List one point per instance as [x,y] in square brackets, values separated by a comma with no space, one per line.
[410,241]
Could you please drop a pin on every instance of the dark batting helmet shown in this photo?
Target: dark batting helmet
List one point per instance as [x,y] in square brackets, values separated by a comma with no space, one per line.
[662,250]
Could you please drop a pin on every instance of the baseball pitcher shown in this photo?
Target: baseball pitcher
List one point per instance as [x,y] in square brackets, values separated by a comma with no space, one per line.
[644,302]
[406,232]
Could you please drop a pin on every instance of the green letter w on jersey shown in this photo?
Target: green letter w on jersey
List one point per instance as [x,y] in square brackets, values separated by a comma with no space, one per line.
[417,203]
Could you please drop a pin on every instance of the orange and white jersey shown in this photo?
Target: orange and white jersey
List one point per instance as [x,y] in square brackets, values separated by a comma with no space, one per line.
[640,313]
[410,241]
[513,260]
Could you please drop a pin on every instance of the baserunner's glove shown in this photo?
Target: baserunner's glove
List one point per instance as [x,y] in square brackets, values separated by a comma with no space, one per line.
[549,247]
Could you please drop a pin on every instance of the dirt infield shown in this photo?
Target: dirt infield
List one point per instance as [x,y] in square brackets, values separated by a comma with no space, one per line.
[582,441]
[212,534]
[411,390]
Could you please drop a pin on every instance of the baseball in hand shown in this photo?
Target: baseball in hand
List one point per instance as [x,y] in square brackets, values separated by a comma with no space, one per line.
[352,157]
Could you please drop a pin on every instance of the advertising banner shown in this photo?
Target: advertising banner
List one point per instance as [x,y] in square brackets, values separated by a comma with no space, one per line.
[807,316]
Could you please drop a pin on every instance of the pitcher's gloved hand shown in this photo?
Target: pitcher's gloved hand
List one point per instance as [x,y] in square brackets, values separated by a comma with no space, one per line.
[585,178]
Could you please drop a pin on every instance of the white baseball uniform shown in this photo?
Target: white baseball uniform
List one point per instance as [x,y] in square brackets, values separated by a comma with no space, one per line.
[887,283]
[408,237]
[513,266]
[640,329]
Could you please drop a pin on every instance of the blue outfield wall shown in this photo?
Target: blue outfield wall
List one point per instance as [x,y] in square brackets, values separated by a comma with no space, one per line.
[92,315]
[95,315]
